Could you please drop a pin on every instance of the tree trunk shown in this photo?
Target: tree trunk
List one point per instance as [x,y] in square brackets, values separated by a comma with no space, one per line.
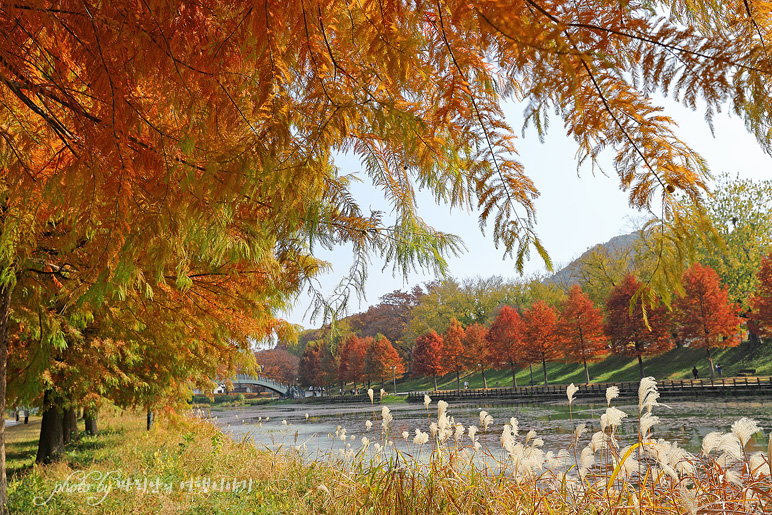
[530,368]
[5,309]
[640,365]
[149,419]
[458,380]
[586,372]
[514,376]
[70,426]
[90,418]
[485,383]
[51,441]
[544,368]
[710,360]
[435,382]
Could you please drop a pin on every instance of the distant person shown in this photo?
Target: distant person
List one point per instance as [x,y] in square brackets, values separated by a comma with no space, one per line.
[695,372]
[466,385]
[718,370]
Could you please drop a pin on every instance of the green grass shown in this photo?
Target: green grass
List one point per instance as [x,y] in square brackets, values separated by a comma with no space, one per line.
[674,364]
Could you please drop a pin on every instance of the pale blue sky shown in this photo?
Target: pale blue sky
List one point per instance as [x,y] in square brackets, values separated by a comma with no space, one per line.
[573,212]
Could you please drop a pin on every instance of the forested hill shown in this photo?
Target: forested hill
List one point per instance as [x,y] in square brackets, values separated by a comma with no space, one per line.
[568,274]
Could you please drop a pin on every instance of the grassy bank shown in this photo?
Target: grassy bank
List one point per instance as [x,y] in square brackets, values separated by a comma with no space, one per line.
[180,466]
[674,364]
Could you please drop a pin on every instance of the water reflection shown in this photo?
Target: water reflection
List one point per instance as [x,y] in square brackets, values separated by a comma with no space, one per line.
[684,422]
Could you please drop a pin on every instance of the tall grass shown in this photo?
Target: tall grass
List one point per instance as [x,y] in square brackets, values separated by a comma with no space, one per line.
[441,468]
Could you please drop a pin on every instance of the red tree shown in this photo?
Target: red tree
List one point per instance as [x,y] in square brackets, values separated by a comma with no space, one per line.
[352,359]
[505,337]
[453,355]
[626,327]
[478,349]
[761,318]
[539,342]
[278,364]
[310,365]
[580,330]
[704,314]
[329,365]
[427,356]
[382,359]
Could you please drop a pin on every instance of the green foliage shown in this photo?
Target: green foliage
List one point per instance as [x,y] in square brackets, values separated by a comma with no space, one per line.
[741,213]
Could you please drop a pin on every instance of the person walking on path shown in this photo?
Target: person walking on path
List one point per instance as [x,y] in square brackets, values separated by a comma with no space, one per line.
[695,372]
[718,369]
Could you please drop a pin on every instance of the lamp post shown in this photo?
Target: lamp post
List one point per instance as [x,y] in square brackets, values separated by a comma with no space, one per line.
[394,378]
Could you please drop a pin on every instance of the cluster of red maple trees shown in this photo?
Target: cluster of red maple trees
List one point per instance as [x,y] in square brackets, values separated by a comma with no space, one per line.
[632,323]
[359,360]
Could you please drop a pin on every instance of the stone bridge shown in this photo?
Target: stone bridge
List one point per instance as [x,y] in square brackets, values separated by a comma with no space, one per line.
[280,388]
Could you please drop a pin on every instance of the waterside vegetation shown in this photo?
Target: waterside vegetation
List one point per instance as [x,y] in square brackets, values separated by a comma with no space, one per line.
[185,465]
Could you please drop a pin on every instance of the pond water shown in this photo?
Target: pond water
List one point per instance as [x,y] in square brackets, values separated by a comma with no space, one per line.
[682,421]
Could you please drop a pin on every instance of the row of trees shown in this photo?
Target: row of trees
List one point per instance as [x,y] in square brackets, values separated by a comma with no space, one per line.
[574,329]
[578,331]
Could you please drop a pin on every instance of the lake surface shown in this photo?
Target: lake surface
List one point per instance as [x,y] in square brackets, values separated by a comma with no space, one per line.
[682,421]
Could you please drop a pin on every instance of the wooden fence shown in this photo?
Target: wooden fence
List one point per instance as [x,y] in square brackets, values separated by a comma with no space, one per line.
[685,387]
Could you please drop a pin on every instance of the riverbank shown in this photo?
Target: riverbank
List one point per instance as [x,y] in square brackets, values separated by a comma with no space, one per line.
[185,465]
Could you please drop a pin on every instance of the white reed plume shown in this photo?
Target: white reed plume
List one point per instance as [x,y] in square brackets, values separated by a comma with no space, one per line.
[515,426]
[459,433]
[647,422]
[384,393]
[377,448]
[365,442]
[352,437]
[370,394]
[284,422]
[759,465]
[507,438]
[744,428]
[734,477]
[306,417]
[570,391]
[442,407]
[613,417]
[598,441]
[647,394]
[710,442]
[579,431]
[556,461]
[433,429]
[587,459]
[485,420]
[688,499]
[530,436]
[612,392]
[471,432]
[732,450]
[420,438]
[427,401]
[368,425]
[386,417]
[342,435]
[405,435]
